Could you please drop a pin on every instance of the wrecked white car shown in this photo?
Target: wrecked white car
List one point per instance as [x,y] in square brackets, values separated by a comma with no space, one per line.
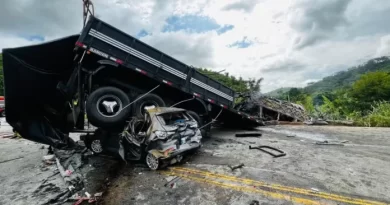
[162,138]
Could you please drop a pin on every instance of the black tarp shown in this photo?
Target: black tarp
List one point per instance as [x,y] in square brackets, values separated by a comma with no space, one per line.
[35,107]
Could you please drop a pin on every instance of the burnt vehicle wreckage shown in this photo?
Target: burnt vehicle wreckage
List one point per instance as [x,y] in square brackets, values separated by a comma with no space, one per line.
[112,78]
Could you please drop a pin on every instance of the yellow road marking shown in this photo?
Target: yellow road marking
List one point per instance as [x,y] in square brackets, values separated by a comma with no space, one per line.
[247,189]
[333,197]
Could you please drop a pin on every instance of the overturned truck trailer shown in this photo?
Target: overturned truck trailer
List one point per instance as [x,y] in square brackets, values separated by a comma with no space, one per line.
[108,76]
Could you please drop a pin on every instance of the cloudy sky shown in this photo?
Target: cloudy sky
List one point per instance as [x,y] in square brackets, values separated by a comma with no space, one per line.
[287,42]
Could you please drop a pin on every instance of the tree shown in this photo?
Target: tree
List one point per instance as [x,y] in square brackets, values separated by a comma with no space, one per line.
[237,84]
[371,87]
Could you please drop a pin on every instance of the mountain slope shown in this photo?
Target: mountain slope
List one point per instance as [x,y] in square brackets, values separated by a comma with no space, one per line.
[278,92]
[346,78]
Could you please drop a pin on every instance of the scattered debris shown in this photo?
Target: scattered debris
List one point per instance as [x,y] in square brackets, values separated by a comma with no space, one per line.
[291,136]
[99,194]
[88,194]
[262,148]
[48,157]
[8,160]
[254,202]
[279,110]
[253,134]
[341,122]
[44,181]
[316,122]
[315,189]
[271,122]
[71,188]
[43,147]
[171,180]
[80,200]
[68,172]
[236,166]
[326,142]
[8,135]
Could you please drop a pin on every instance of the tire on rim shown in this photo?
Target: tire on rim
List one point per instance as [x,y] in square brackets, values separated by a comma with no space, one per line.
[149,100]
[95,145]
[152,161]
[105,107]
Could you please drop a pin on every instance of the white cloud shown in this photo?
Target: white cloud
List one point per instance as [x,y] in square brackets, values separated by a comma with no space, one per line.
[293,41]
[10,41]
[384,48]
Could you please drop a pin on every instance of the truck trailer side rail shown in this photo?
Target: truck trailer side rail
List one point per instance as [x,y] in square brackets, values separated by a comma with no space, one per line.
[109,42]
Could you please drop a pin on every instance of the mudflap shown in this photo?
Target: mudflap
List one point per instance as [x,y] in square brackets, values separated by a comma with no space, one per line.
[42,131]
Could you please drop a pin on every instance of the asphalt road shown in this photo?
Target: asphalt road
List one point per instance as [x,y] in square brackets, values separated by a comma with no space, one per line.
[356,172]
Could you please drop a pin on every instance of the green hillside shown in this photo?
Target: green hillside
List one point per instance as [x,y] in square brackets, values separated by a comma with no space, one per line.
[346,78]
[361,94]
[278,92]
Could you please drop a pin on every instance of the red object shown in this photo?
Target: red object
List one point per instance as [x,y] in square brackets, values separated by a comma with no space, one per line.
[119,61]
[167,82]
[78,43]
[196,94]
[1,97]
[141,71]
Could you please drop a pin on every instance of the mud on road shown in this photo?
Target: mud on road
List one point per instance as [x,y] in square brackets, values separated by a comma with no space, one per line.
[356,172]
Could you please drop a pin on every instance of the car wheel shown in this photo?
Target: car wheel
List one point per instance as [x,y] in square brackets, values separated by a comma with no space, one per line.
[106,107]
[95,146]
[148,101]
[152,161]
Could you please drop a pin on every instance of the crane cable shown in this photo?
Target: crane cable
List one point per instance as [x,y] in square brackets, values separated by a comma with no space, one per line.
[88,8]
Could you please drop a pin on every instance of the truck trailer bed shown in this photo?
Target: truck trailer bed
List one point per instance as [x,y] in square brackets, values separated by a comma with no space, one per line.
[111,43]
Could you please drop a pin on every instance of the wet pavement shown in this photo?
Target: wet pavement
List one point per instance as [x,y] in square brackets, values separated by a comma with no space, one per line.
[352,173]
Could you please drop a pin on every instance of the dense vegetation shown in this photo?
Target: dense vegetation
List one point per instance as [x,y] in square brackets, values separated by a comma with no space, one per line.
[237,84]
[362,94]
[346,78]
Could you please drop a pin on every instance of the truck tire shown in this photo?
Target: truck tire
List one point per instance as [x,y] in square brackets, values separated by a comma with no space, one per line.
[146,101]
[196,117]
[105,107]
